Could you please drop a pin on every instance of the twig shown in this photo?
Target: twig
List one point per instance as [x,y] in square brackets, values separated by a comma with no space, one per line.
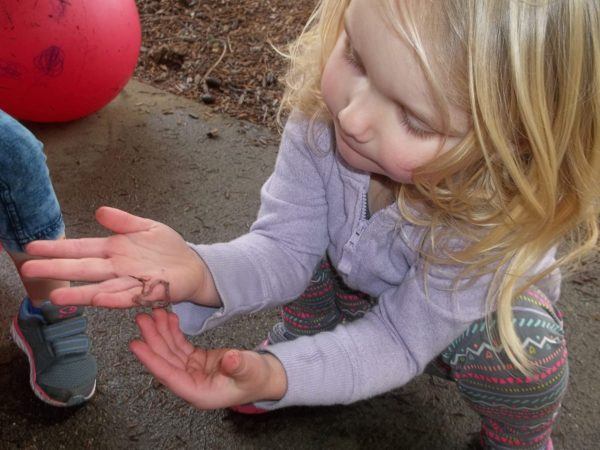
[205,76]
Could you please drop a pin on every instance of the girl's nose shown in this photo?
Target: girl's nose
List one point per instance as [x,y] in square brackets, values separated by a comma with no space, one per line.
[354,121]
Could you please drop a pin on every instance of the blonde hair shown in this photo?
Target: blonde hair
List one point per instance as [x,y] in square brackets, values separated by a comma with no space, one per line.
[526,177]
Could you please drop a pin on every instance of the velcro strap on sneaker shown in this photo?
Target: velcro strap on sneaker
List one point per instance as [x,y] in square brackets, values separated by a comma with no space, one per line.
[68,336]
[72,345]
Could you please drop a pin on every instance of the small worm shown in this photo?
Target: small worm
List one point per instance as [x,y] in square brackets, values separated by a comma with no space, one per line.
[147,288]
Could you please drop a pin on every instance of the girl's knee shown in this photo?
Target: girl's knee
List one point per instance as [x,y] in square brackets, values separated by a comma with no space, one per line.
[539,326]
[314,311]
[515,408]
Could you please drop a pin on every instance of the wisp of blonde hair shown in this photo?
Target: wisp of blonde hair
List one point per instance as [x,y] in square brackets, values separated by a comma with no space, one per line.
[526,178]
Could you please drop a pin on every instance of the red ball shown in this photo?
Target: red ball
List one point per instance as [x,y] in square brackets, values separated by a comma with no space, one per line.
[64,59]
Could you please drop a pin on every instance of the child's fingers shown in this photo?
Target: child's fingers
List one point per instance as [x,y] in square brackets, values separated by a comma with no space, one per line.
[184,345]
[241,365]
[176,380]
[233,363]
[71,296]
[155,340]
[85,269]
[67,248]
[115,293]
[122,299]
[161,321]
[121,221]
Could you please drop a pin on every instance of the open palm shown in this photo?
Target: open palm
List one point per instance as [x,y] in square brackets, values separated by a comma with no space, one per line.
[207,379]
[145,262]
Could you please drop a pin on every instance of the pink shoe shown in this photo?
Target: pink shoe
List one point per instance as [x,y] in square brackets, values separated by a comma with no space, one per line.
[248,408]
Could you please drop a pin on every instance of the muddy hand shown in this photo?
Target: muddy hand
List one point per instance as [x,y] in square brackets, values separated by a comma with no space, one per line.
[129,264]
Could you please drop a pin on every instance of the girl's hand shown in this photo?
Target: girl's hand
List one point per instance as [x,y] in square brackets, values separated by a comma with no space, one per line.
[207,379]
[145,263]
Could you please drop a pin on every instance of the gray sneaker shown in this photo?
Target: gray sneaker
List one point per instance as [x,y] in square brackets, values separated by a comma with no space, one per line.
[61,370]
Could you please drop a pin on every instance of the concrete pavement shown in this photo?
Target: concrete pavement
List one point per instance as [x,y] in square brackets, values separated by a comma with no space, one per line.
[149,152]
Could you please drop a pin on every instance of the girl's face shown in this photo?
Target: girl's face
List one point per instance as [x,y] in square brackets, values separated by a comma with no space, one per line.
[385,121]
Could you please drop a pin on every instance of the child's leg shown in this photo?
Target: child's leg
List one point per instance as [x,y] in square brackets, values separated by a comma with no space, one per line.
[516,411]
[314,311]
[30,209]
[38,291]
[62,372]
[351,303]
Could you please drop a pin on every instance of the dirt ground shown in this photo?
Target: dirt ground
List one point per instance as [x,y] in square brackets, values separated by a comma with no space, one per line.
[220,52]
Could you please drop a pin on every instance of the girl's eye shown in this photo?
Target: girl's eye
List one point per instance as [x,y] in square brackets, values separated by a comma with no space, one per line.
[351,58]
[413,130]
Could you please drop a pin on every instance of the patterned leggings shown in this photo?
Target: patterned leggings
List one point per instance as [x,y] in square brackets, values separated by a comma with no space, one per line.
[516,411]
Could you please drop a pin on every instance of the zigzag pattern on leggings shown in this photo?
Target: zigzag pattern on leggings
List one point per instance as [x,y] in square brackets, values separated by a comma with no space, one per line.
[517,411]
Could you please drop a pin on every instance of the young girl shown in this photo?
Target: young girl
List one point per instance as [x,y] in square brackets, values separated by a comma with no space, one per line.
[62,372]
[437,153]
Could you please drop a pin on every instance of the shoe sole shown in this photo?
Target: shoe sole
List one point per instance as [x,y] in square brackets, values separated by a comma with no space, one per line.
[21,342]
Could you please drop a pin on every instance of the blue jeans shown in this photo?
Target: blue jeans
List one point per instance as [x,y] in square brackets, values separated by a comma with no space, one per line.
[30,209]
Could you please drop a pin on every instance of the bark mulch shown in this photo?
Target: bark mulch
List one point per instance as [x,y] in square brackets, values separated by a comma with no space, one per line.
[220,52]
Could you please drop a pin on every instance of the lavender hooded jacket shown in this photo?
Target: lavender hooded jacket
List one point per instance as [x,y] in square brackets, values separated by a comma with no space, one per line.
[315,203]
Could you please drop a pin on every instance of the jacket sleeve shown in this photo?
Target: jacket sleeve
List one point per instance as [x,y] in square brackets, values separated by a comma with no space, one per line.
[273,263]
[385,349]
